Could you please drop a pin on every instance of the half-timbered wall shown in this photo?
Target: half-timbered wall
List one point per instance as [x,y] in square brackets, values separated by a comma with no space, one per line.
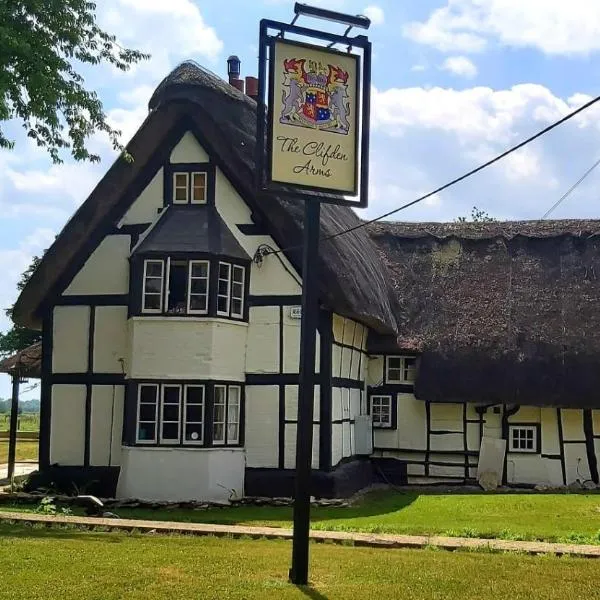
[441,441]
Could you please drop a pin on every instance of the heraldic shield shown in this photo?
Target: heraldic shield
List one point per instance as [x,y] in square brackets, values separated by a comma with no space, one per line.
[315,95]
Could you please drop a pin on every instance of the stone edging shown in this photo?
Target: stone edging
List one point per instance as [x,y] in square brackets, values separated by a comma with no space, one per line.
[336,537]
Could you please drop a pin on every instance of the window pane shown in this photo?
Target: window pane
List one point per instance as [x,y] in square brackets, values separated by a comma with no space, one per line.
[170,431]
[152,302]
[394,362]
[219,415]
[232,433]
[171,412]
[223,287]
[180,179]
[199,269]
[238,274]
[394,374]
[154,268]
[195,394]
[148,393]
[171,394]
[222,304]
[236,307]
[224,270]
[199,286]
[199,187]
[218,432]
[198,302]
[153,285]
[193,432]
[146,431]
[147,412]
[193,413]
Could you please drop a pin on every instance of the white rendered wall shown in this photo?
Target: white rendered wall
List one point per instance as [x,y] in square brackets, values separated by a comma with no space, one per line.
[70,339]
[262,354]
[187,348]
[111,339]
[262,425]
[180,474]
[188,150]
[106,271]
[67,425]
[106,425]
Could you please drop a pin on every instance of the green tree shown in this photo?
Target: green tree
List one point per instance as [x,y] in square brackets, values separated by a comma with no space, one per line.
[477,216]
[18,337]
[40,41]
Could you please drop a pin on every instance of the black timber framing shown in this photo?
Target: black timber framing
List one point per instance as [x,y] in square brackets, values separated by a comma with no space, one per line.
[588,429]
[88,387]
[561,445]
[46,389]
[325,397]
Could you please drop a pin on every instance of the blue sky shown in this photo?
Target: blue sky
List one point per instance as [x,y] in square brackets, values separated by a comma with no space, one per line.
[454,83]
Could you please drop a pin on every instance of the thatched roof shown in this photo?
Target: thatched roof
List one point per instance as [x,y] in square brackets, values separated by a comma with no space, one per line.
[500,312]
[353,280]
[27,362]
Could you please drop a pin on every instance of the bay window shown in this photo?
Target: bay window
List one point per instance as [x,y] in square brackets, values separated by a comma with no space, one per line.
[201,414]
[193,286]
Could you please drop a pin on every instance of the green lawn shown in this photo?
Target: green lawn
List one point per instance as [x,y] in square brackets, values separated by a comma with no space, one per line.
[53,564]
[27,450]
[549,517]
[27,422]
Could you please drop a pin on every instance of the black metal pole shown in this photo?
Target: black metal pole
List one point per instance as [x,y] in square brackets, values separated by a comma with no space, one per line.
[304,434]
[12,431]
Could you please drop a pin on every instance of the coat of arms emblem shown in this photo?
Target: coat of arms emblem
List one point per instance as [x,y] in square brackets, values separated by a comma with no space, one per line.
[315,95]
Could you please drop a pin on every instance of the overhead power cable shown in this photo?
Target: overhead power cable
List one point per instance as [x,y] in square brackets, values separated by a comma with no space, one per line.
[454,181]
[570,190]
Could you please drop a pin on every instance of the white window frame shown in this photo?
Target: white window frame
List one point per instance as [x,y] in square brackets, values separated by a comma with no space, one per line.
[200,440]
[380,397]
[195,311]
[175,187]
[242,270]
[156,386]
[162,286]
[230,422]
[192,176]
[162,439]
[403,369]
[219,442]
[227,296]
[520,427]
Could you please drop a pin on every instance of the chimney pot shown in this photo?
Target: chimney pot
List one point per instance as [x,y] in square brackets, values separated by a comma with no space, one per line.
[252,87]
[233,68]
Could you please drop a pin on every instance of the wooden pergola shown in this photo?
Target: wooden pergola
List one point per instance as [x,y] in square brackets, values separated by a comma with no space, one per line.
[25,364]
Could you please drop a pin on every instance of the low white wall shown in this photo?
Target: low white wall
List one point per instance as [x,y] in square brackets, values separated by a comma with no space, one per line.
[181,474]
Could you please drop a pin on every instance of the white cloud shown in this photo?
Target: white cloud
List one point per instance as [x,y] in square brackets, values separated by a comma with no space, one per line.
[425,137]
[375,13]
[552,26]
[418,68]
[461,66]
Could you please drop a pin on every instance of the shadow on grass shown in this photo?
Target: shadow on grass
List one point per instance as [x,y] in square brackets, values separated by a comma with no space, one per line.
[311,593]
[20,531]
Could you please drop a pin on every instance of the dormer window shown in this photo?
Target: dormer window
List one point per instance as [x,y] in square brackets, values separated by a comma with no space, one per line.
[189,187]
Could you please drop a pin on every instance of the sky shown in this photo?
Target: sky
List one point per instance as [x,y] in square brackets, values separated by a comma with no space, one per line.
[455,82]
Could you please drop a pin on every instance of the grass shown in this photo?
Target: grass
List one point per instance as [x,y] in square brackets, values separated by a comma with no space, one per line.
[27,450]
[571,518]
[546,517]
[27,422]
[53,564]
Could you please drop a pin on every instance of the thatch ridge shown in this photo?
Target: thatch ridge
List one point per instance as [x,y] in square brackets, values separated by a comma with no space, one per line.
[26,362]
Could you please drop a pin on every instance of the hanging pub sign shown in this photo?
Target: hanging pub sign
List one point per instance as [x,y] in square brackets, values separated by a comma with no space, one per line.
[314,117]
[316,106]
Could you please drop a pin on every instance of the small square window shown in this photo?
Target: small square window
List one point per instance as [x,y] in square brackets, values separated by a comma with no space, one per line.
[381,411]
[401,369]
[523,438]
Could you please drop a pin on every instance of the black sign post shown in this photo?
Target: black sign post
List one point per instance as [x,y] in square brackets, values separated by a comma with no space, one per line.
[315,87]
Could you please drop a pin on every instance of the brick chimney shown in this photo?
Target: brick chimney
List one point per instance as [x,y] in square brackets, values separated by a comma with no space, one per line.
[252,87]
